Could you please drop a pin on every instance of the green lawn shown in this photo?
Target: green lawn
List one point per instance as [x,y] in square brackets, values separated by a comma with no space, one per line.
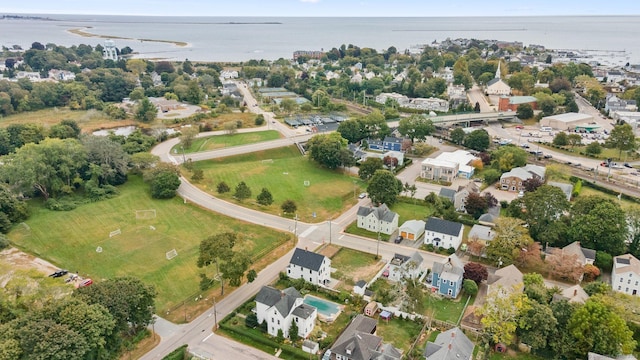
[222,141]
[605,154]
[355,230]
[519,356]
[410,211]
[348,260]
[285,173]
[445,309]
[70,239]
[400,333]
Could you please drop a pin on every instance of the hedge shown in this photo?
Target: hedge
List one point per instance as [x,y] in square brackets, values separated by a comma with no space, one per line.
[177,354]
[610,191]
[263,343]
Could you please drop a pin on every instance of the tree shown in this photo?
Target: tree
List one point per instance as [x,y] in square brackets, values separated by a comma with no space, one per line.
[622,138]
[222,187]
[476,205]
[110,159]
[384,188]
[369,166]
[510,238]
[251,275]
[545,206]
[230,127]
[594,148]
[217,249]
[597,327]
[501,314]
[457,136]
[564,266]
[390,162]
[326,149]
[146,111]
[532,184]
[524,111]
[470,287]
[65,129]
[352,130]
[591,273]
[289,207]
[49,168]
[416,127]
[12,209]
[537,326]
[599,224]
[187,135]
[265,198]
[293,332]
[477,140]
[561,139]
[242,191]
[633,219]
[574,139]
[509,156]
[476,272]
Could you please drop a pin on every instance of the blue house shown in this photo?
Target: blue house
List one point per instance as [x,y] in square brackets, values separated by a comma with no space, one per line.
[392,143]
[375,144]
[447,277]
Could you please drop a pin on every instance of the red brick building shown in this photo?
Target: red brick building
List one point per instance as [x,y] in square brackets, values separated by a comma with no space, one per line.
[507,103]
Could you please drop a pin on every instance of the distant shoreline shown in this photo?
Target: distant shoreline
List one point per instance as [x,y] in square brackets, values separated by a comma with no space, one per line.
[83,33]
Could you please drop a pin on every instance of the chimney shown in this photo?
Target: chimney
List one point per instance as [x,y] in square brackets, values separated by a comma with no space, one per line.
[575,292]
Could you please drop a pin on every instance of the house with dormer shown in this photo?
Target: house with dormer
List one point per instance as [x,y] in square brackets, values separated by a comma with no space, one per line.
[447,277]
[310,266]
[377,219]
[359,341]
[279,308]
[452,344]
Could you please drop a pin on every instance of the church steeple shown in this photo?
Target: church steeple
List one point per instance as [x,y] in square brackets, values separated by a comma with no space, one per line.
[498,71]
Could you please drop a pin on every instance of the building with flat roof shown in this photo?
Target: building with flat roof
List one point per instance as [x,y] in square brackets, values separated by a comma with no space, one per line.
[568,121]
[511,103]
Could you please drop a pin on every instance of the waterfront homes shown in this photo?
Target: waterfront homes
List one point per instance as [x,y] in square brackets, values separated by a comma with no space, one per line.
[279,308]
[360,342]
[625,275]
[378,219]
[401,267]
[310,266]
[447,277]
[512,180]
[443,233]
[448,166]
[452,344]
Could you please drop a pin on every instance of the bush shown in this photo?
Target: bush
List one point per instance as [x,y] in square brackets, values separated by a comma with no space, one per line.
[259,120]
[430,247]
[470,287]
[223,187]
[177,354]
[451,250]
[60,205]
[251,321]
[504,204]
[4,242]
[604,261]
[164,185]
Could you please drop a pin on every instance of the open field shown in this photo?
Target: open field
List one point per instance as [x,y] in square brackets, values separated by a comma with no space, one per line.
[283,172]
[70,240]
[222,141]
[88,120]
[353,265]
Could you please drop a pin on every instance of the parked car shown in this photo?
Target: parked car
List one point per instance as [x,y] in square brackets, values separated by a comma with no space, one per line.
[519,127]
[362,195]
[548,156]
[604,164]
[398,239]
[59,273]
[627,165]
[85,282]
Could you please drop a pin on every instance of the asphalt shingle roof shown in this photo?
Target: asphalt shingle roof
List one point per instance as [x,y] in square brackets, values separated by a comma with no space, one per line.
[282,300]
[307,259]
[443,226]
[449,345]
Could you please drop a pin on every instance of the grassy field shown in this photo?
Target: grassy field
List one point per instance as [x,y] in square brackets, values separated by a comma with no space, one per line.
[348,260]
[222,141]
[70,240]
[400,333]
[88,120]
[283,172]
[445,309]
[410,211]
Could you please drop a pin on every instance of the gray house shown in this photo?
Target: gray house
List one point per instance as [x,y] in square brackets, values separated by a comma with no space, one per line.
[450,345]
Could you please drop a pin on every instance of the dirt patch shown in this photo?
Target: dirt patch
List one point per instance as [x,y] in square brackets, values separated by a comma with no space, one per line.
[366,273]
[21,260]
[329,251]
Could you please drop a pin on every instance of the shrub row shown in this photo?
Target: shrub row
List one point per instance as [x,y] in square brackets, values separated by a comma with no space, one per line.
[262,342]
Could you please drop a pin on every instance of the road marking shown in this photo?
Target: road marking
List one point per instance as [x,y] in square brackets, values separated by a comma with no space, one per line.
[207,338]
[341,236]
[308,231]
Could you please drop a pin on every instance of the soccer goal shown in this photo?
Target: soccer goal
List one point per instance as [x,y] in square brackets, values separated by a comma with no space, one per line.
[114,233]
[145,214]
[171,254]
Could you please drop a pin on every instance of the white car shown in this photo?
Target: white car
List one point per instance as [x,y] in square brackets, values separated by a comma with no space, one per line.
[362,195]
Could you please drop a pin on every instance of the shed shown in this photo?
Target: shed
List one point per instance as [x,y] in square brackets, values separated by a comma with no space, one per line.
[310,347]
[371,308]
[386,315]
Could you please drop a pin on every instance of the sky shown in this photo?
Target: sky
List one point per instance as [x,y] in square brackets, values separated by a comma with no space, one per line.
[331,8]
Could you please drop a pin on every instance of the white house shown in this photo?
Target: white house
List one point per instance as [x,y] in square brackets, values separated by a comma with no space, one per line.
[310,266]
[279,308]
[402,266]
[481,233]
[412,229]
[625,275]
[378,219]
[443,233]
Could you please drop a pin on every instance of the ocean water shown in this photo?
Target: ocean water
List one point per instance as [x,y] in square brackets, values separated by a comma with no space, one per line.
[245,38]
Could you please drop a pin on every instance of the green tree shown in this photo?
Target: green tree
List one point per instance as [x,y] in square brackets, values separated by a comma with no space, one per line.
[511,237]
[545,206]
[217,249]
[65,129]
[597,327]
[352,130]
[187,135]
[561,139]
[599,224]
[416,127]
[622,138]
[457,136]
[470,287]
[574,139]
[509,156]
[49,168]
[12,209]
[477,140]
[293,332]
[289,207]
[251,275]
[326,149]
[164,184]
[502,314]
[146,111]
[369,166]
[222,187]
[594,148]
[110,157]
[524,111]
[242,191]
[384,188]
[475,204]
[537,326]
[265,198]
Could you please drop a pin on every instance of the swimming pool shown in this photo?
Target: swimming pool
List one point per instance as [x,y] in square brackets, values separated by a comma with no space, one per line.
[327,310]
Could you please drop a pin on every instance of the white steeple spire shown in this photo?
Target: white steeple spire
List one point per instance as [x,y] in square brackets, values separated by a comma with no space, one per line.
[498,71]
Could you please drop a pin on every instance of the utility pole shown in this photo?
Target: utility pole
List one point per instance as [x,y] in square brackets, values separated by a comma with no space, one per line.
[215,315]
[295,226]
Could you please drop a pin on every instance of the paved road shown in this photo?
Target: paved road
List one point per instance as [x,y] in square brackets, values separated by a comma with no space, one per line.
[476,95]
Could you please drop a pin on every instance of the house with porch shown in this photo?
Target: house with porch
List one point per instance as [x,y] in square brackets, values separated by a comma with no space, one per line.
[447,277]
[279,308]
[443,233]
[377,219]
[310,266]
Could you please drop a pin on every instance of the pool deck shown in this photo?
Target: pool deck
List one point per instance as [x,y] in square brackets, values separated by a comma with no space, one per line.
[326,317]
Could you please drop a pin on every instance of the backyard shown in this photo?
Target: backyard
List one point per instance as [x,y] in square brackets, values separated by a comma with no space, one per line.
[288,176]
[106,239]
[354,265]
[401,333]
[228,140]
